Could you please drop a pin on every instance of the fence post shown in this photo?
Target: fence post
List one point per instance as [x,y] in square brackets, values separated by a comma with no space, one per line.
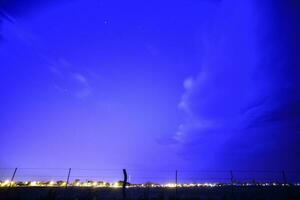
[176,183]
[68,179]
[124,183]
[284,177]
[231,177]
[232,181]
[13,177]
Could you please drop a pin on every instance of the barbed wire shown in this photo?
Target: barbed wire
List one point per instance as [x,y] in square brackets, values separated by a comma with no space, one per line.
[157,175]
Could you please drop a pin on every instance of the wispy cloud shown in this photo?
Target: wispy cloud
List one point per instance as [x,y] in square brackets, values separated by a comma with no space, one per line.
[70,81]
[80,78]
[192,120]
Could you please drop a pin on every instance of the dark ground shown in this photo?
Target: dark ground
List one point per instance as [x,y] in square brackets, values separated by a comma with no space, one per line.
[216,193]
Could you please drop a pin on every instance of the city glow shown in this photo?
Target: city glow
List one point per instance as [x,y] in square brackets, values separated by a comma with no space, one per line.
[119,184]
[34,183]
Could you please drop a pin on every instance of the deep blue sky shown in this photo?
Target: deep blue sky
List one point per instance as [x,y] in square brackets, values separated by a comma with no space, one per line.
[209,84]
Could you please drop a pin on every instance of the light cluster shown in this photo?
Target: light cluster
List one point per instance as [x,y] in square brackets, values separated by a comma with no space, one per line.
[119,184]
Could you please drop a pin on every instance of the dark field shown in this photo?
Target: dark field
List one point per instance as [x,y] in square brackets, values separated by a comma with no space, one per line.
[216,193]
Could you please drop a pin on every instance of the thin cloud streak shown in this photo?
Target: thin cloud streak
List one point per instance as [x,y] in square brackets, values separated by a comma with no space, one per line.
[69,81]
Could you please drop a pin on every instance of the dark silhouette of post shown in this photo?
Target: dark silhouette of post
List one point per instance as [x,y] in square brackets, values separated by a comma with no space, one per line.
[68,179]
[231,177]
[285,182]
[124,183]
[13,177]
[232,182]
[284,177]
[176,183]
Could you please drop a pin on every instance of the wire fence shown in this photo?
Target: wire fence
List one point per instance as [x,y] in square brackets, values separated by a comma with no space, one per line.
[136,176]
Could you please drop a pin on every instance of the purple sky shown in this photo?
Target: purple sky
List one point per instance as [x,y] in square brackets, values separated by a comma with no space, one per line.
[159,85]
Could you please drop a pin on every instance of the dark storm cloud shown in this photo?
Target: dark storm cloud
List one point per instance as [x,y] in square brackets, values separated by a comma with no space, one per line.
[21,7]
[11,9]
[243,109]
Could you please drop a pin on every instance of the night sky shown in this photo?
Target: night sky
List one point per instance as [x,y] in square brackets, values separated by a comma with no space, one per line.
[194,84]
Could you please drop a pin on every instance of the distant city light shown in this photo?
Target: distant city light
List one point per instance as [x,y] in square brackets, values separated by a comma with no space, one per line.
[119,184]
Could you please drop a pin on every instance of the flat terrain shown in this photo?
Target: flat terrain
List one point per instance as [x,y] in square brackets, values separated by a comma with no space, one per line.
[205,193]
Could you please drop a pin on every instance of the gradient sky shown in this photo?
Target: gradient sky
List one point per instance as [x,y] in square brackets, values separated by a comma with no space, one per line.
[209,84]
